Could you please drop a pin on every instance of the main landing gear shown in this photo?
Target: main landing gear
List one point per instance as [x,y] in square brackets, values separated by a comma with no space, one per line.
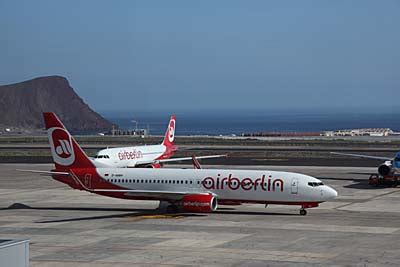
[303,212]
[168,207]
[172,209]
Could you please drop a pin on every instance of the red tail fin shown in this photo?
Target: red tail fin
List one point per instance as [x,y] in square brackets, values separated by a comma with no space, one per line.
[65,150]
[170,133]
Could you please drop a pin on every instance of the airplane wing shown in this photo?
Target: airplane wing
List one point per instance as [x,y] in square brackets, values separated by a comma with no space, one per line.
[361,156]
[172,195]
[190,158]
[138,163]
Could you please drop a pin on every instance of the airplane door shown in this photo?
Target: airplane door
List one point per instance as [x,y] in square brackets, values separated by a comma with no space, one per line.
[294,186]
[88,181]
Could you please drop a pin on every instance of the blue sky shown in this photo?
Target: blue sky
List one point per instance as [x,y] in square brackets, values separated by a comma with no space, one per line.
[201,55]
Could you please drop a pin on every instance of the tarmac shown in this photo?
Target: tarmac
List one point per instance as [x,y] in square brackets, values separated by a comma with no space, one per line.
[74,228]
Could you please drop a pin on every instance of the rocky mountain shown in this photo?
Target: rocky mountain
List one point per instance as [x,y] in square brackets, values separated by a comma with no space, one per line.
[22,104]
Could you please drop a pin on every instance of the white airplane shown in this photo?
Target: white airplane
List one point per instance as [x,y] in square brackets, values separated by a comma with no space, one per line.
[151,156]
[189,190]
[391,166]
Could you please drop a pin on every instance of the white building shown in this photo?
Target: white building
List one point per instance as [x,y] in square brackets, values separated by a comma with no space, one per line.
[359,132]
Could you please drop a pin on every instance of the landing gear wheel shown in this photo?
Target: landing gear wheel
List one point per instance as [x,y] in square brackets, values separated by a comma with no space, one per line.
[172,209]
[303,212]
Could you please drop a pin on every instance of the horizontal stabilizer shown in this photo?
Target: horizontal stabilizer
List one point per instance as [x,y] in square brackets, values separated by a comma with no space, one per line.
[44,172]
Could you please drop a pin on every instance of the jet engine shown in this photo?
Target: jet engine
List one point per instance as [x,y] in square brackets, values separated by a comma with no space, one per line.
[154,166]
[199,203]
[386,168]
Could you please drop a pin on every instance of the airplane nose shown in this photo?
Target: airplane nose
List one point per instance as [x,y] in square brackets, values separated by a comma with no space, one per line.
[330,193]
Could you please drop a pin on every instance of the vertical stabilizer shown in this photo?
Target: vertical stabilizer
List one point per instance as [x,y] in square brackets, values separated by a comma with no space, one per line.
[65,150]
[170,133]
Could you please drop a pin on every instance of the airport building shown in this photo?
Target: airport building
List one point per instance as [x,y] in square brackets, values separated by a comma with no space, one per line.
[359,132]
[130,132]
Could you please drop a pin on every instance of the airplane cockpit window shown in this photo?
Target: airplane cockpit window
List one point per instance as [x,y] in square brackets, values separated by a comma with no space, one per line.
[102,157]
[314,184]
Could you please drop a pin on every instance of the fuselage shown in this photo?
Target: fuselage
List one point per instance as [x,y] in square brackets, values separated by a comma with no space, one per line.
[130,156]
[227,185]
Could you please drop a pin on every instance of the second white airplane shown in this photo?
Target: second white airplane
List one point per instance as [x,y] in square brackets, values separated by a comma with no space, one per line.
[151,156]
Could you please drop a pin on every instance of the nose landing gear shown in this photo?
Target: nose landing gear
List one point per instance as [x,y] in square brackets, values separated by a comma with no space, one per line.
[307,205]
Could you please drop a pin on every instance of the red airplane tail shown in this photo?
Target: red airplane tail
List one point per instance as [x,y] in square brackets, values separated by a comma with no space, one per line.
[170,134]
[66,152]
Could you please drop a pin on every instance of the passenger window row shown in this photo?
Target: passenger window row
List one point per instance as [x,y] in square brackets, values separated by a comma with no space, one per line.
[147,181]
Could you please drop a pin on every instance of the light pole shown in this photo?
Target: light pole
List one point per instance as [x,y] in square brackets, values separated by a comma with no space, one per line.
[136,124]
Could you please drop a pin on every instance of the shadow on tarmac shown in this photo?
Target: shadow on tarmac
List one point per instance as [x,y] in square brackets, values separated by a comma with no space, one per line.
[233,212]
[131,213]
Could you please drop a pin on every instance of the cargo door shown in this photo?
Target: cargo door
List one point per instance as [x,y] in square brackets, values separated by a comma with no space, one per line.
[88,181]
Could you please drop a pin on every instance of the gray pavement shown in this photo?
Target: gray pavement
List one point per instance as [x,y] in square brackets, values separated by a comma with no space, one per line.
[75,228]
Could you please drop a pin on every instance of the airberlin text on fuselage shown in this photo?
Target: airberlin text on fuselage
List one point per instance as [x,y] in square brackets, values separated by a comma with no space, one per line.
[135,154]
[233,183]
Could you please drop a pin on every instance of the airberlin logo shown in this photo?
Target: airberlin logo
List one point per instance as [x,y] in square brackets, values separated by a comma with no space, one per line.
[61,146]
[128,155]
[233,183]
[171,131]
[64,148]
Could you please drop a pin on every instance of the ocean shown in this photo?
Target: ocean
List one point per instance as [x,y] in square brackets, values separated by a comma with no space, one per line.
[236,123]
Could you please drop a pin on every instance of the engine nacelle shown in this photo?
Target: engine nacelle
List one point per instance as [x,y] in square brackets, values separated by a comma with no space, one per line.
[385,168]
[199,203]
[154,166]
